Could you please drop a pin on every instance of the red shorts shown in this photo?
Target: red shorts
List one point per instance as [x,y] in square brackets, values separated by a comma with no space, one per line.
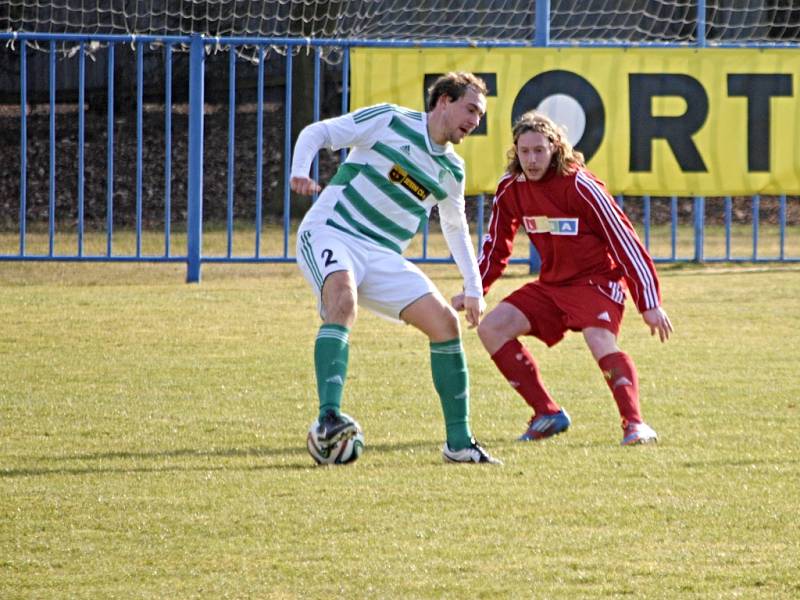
[552,310]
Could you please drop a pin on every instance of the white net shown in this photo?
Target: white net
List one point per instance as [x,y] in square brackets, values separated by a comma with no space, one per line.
[571,21]
[675,21]
[391,19]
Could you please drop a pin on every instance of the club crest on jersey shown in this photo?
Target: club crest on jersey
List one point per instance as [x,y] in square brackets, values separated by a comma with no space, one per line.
[399,175]
[553,226]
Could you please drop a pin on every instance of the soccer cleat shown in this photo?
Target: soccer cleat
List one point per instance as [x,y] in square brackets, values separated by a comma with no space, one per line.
[474,453]
[638,433]
[545,426]
[333,427]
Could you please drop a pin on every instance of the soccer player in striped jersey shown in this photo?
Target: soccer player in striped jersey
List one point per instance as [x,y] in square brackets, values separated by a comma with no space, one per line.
[590,253]
[400,165]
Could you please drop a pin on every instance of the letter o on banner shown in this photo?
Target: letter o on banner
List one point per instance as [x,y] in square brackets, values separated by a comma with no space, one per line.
[569,94]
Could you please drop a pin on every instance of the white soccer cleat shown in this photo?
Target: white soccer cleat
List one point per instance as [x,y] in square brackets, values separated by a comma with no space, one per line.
[472,454]
[638,433]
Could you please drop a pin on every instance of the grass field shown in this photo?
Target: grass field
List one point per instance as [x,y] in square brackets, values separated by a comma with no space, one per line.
[152,446]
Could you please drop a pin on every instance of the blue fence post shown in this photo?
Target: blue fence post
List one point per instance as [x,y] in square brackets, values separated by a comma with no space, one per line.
[701,23]
[541,36]
[673,220]
[23,146]
[699,224]
[51,215]
[782,226]
[168,150]
[756,224]
[673,234]
[110,154]
[287,154]
[81,139]
[140,143]
[194,219]
[728,220]
[262,57]
[231,148]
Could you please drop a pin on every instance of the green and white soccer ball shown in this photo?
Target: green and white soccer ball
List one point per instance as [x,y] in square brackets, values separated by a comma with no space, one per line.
[341,453]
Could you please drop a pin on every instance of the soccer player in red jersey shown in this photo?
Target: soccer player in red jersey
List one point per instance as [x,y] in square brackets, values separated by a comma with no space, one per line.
[590,254]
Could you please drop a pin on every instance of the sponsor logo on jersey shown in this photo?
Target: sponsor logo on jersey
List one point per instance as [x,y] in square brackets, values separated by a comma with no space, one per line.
[551,225]
[399,175]
[406,149]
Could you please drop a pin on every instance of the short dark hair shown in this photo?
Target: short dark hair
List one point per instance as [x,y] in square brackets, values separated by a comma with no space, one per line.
[454,85]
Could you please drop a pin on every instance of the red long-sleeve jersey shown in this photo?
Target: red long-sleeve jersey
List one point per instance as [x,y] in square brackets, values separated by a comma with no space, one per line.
[578,229]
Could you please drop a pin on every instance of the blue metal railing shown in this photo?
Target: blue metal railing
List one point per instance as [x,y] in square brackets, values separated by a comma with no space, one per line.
[110,154]
[194,255]
[194,222]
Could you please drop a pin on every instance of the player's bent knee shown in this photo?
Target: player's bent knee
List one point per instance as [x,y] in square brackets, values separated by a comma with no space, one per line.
[434,317]
[486,331]
[491,335]
[445,326]
[450,321]
[601,342]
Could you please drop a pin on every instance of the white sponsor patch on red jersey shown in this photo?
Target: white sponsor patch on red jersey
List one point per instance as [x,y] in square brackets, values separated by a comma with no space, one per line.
[551,225]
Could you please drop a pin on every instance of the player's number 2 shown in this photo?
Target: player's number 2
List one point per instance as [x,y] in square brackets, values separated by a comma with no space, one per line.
[327,255]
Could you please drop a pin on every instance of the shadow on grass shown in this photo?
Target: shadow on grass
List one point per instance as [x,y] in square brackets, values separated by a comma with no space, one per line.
[295,458]
[294,452]
[146,455]
[297,454]
[423,445]
[12,473]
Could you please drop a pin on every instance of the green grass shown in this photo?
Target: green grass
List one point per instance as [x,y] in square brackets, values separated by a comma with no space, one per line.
[152,446]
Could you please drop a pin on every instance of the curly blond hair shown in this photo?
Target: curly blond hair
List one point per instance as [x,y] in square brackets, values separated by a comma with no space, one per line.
[565,158]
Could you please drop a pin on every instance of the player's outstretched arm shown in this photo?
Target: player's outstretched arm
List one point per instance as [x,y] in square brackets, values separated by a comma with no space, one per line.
[658,321]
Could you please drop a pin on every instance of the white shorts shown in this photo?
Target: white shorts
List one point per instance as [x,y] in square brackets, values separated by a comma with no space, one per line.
[386,281]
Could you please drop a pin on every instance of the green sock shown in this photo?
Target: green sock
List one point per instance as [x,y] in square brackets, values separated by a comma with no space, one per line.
[451,380]
[331,352]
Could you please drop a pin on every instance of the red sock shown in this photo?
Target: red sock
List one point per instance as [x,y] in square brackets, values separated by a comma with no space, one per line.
[620,374]
[518,366]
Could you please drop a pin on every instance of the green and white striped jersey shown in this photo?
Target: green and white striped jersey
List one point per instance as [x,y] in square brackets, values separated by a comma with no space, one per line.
[392,177]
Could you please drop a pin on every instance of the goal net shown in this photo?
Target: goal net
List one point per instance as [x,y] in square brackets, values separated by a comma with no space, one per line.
[571,21]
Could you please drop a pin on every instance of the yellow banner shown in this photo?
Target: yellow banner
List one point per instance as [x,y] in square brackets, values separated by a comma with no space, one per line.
[650,121]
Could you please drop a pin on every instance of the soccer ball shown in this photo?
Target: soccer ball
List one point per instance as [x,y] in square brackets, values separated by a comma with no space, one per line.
[342,452]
